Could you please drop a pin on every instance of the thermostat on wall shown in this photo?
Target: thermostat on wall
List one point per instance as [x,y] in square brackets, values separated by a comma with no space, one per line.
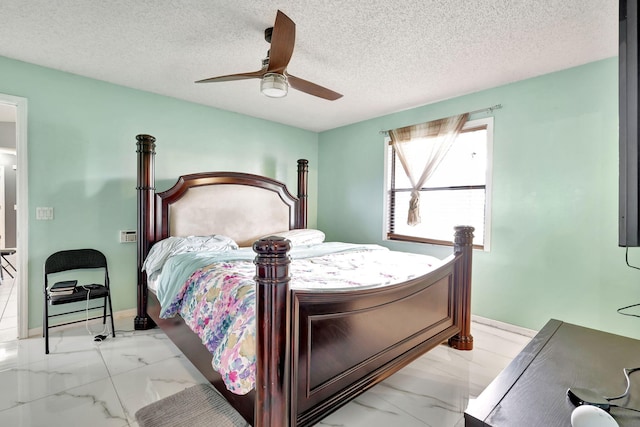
[128,236]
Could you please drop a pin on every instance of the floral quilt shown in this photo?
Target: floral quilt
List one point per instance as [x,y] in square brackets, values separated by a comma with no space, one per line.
[218,300]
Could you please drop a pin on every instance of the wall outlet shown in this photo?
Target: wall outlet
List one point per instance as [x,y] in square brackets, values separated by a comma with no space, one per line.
[128,236]
[44,213]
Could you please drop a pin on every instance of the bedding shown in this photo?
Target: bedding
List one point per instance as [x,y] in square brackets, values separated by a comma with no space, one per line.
[214,292]
[171,246]
[301,237]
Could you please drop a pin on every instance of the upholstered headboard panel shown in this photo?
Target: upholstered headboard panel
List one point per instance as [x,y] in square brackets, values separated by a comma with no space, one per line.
[244,213]
[242,206]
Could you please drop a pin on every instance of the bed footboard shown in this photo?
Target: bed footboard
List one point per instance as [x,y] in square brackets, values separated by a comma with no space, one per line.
[318,350]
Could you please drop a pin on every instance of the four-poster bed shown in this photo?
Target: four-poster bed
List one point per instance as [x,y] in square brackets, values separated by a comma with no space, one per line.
[315,350]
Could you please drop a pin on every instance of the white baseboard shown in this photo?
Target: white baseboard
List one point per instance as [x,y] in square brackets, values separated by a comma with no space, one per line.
[504,326]
[132,312]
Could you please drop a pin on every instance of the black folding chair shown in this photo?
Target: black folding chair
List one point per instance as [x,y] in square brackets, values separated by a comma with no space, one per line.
[73,261]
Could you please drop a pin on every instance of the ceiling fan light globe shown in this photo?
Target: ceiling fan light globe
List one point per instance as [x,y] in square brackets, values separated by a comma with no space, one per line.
[274,85]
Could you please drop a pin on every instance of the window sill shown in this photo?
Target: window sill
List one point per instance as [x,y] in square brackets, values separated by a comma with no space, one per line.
[414,239]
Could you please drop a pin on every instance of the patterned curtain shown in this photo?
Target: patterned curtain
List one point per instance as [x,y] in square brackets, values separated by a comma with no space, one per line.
[436,136]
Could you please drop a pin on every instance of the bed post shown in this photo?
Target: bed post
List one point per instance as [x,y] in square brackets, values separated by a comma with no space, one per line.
[303,185]
[146,193]
[463,245]
[273,368]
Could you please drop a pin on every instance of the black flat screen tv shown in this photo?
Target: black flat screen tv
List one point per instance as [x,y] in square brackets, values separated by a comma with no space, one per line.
[629,186]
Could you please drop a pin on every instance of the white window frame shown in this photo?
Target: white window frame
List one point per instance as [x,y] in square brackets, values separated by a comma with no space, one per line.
[484,122]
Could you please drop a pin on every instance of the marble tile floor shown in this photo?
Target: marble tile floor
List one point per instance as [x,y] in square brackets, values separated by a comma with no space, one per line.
[84,383]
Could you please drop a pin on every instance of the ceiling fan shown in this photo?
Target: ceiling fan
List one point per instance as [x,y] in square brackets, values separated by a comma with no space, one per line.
[274,75]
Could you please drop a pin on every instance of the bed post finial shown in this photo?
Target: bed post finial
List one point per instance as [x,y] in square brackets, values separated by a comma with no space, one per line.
[303,191]
[146,193]
[463,245]
[272,402]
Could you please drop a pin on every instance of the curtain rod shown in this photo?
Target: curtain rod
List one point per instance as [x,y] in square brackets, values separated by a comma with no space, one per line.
[481,110]
[486,110]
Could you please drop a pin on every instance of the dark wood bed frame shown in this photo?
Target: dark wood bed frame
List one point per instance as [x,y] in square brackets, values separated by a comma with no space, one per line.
[315,351]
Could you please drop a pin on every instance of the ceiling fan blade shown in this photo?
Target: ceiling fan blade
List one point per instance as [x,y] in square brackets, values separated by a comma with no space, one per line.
[283,39]
[231,77]
[312,88]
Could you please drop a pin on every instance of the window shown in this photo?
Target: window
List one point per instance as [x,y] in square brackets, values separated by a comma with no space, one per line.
[458,192]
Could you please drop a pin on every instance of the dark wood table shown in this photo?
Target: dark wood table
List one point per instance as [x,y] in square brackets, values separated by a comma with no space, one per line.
[532,389]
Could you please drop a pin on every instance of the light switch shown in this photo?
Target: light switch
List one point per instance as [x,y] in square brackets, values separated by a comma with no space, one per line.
[44,213]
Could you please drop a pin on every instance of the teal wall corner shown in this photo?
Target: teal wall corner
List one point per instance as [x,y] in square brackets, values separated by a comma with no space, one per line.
[554,250]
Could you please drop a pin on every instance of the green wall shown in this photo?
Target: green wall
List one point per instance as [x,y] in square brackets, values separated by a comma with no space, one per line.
[554,247]
[554,250]
[82,162]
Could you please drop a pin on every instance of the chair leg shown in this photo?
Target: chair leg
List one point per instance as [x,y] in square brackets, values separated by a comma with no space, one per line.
[113,328]
[45,324]
[13,267]
[5,269]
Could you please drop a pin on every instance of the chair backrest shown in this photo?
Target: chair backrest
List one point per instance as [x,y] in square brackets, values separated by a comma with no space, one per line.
[75,259]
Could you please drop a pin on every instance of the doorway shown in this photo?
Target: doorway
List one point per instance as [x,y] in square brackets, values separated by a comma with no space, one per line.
[13,218]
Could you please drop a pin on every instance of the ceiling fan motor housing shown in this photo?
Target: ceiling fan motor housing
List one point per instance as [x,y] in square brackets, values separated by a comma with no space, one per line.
[274,85]
[267,34]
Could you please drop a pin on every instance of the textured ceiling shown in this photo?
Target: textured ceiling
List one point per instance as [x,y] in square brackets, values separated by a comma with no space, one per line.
[383,56]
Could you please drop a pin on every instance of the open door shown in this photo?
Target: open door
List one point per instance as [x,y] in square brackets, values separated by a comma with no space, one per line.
[15,232]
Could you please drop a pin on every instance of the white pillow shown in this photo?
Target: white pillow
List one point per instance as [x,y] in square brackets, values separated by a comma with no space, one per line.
[302,236]
[170,246]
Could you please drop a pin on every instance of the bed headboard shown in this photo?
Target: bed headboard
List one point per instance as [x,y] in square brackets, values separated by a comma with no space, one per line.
[242,206]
